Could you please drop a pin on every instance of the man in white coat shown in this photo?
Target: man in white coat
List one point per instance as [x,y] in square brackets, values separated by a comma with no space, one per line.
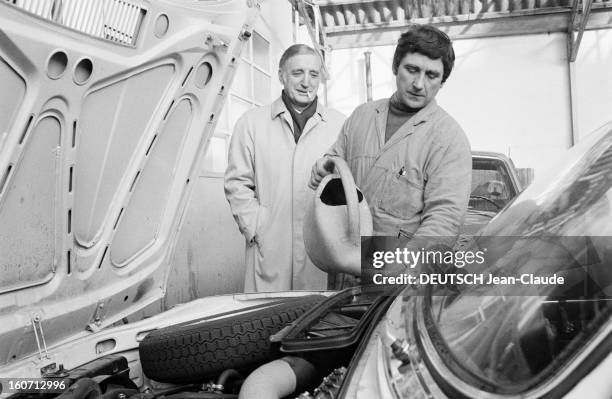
[270,156]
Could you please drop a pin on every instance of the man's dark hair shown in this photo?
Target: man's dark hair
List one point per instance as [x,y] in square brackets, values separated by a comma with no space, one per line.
[295,49]
[429,41]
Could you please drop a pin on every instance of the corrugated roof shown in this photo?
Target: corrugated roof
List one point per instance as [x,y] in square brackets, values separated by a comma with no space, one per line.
[344,13]
[339,13]
[348,23]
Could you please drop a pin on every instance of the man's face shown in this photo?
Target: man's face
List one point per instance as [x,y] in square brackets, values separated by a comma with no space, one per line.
[300,78]
[418,79]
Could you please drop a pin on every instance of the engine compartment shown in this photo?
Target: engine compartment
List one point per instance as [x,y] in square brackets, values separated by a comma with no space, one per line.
[211,357]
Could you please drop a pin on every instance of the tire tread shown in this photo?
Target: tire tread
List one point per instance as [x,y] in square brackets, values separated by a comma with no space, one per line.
[190,353]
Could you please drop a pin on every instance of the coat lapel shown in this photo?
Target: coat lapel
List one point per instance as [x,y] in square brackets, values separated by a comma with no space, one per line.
[311,123]
[278,110]
[319,116]
[381,122]
[287,117]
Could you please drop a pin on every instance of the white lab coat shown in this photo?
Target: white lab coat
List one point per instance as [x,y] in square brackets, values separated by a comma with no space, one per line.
[266,186]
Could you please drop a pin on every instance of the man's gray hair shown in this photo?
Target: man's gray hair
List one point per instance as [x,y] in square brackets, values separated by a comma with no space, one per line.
[293,50]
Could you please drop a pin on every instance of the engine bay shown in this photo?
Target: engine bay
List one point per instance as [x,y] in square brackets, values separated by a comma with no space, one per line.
[212,357]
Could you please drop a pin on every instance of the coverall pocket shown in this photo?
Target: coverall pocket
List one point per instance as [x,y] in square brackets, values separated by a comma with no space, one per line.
[403,197]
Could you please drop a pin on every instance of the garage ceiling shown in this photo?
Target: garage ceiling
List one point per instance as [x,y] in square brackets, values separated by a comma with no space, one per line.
[346,24]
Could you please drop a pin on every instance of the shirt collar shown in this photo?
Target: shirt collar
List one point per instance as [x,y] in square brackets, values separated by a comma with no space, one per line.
[421,116]
[278,107]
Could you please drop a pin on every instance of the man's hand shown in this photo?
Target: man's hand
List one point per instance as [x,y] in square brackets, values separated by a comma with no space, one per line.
[255,241]
[323,167]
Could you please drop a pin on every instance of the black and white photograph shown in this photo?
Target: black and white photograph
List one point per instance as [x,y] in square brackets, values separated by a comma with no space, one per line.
[305,199]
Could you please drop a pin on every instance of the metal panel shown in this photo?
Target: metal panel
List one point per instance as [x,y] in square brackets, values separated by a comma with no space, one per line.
[112,124]
[115,20]
[14,84]
[85,16]
[139,226]
[27,211]
[121,21]
[42,8]
[99,105]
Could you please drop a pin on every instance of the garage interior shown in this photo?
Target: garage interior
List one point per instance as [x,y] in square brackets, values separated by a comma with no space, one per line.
[114,135]
[113,146]
[531,78]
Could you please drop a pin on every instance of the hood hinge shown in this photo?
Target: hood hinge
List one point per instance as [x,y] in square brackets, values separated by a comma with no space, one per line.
[97,318]
[53,371]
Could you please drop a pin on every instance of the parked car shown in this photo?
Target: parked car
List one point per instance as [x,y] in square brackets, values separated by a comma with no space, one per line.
[495,183]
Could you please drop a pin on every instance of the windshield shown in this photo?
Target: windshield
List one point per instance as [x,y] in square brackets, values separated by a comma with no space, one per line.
[492,187]
[511,337]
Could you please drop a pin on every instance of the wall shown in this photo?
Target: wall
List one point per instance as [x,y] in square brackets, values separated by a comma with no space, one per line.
[594,80]
[511,94]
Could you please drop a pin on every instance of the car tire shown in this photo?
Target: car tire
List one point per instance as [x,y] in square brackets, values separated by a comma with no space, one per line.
[190,352]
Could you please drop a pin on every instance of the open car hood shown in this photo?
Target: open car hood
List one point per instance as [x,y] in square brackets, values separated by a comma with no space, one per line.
[107,107]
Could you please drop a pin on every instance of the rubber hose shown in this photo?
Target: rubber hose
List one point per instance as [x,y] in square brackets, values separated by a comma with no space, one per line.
[83,388]
[278,378]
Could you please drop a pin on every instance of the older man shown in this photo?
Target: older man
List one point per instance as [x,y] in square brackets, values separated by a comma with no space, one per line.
[270,155]
[411,159]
